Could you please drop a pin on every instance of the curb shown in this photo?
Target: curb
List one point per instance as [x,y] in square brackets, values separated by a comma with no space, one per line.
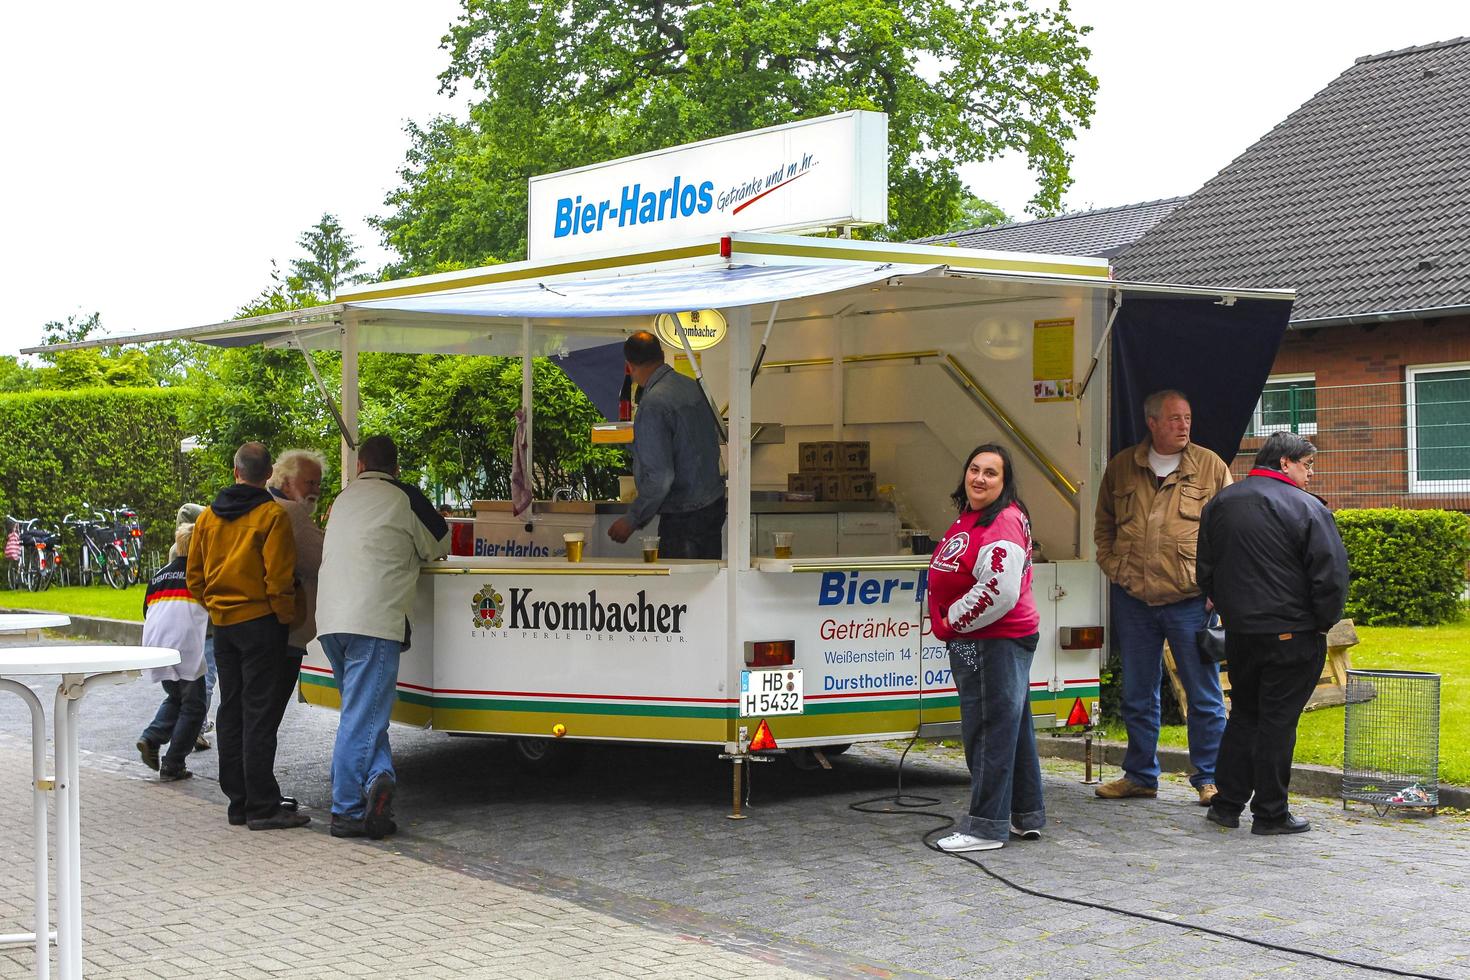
[1306,779]
[97,628]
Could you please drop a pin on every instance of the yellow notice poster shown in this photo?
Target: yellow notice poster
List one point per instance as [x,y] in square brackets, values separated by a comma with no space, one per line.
[682,364]
[1051,360]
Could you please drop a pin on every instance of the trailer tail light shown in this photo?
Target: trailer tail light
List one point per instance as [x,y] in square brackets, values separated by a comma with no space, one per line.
[770,653]
[1081,637]
[1078,715]
[763,740]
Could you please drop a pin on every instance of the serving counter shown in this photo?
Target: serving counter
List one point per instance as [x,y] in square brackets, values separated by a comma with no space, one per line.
[819,528]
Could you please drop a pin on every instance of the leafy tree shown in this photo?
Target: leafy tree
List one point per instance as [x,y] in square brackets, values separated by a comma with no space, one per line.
[15,376]
[331,259]
[456,417]
[571,82]
[977,213]
[113,367]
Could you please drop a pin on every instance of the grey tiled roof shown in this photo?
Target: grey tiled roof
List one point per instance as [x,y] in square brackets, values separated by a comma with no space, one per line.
[1101,233]
[1360,199]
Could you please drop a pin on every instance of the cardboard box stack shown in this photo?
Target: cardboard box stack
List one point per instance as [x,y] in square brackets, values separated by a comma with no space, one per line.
[834,471]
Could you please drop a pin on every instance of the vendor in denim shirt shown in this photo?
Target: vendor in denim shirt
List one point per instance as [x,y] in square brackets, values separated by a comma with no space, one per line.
[676,458]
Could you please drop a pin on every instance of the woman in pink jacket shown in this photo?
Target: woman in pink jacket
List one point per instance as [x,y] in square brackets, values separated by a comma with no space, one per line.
[980,604]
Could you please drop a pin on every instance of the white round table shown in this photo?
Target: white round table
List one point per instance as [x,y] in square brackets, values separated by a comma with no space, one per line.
[25,622]
[82,669]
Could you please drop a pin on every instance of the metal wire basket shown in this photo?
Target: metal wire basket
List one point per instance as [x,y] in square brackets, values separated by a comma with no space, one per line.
[1390,749]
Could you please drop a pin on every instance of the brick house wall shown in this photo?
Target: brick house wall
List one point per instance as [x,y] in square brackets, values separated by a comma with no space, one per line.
[1362,416]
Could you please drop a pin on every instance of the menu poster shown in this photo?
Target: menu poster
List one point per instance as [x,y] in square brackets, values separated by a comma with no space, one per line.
[1051,360]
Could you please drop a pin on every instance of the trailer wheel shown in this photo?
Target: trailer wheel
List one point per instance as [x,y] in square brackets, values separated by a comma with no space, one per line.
[545,756]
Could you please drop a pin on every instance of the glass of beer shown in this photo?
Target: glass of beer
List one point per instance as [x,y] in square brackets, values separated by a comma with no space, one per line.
[782,543]
[650,548]
[574,541]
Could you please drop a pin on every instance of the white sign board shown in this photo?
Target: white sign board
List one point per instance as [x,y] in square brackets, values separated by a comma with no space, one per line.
[818,173]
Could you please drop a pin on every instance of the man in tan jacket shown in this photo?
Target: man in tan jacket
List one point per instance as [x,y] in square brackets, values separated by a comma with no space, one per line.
[1146,528]
[241,563]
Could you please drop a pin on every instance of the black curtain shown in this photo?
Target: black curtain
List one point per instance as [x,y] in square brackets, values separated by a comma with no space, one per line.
[598,371]
[1219,356]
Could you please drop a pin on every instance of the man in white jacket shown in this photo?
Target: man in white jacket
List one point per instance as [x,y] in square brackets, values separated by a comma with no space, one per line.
[379,535]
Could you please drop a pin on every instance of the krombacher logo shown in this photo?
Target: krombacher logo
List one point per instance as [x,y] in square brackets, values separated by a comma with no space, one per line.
[592,614]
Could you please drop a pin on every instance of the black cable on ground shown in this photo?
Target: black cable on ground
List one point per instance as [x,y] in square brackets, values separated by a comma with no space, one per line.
[911,805]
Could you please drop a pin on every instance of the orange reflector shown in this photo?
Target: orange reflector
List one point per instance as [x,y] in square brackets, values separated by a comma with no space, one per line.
[770,653]
[763,740]
[1079,715]
[1081,637]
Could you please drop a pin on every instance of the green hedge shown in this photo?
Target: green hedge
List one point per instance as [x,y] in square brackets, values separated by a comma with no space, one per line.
[1408,566]
[102,446]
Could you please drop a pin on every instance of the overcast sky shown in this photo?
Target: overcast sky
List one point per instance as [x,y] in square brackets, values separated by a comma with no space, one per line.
[160,155]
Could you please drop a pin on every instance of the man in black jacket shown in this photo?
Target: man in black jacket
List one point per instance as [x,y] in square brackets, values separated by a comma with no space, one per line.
[1272,561]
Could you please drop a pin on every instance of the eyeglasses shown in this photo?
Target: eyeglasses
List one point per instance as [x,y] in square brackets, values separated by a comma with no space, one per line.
[1308,463]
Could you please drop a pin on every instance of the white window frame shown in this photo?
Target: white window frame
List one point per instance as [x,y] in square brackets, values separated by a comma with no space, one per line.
[1411,374]
[1259,428]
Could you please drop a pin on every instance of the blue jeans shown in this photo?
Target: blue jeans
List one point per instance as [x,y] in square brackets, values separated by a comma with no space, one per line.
[177,722]
[211,671]
[366,668]
[994,681]
[1141,630]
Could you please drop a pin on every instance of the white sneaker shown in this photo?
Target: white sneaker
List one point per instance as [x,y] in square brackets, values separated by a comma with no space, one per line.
[1025,834]
[956,843]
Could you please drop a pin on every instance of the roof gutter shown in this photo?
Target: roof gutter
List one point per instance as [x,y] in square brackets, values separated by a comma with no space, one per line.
[1387,316]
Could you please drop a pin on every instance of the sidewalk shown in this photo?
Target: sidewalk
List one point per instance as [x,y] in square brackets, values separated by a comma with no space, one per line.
[232,903]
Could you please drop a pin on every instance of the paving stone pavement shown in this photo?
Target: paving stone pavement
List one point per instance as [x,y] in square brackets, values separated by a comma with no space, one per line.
[632,853]
[170,890]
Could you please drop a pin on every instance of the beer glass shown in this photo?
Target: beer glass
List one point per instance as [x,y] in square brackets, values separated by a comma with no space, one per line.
[650,548]
[783,543]
[574,541]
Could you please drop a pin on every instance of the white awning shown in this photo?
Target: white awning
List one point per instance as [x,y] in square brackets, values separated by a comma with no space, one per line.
[641,294]
[455,321]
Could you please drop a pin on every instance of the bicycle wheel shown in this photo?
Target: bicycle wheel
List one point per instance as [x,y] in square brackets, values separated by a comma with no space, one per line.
[135,562]
[12,575]
[30,572]
[115,571]
[43,571]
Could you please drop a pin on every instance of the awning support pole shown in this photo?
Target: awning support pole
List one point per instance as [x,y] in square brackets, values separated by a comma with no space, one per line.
[526,393]
[760,355]
[322,387]
[1117,297]
[351,399]
[737,482]
[699,375]
[839,380]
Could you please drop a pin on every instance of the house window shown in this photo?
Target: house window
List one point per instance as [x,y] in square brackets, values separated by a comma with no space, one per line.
[1288,404]
[1439,428]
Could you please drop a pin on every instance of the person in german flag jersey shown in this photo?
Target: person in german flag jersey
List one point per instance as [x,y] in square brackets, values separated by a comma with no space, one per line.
[980,605]
[174,617]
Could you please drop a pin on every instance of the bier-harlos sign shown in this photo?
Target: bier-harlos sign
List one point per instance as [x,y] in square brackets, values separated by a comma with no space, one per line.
[523,614]
[807,175]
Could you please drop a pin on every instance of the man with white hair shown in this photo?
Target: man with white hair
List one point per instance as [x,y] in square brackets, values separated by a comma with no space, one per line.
[296,483]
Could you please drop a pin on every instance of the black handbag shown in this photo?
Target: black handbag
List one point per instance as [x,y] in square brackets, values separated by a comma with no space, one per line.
[1211,640]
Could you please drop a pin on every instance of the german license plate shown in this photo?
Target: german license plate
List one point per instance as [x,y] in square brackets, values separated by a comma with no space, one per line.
[771,692]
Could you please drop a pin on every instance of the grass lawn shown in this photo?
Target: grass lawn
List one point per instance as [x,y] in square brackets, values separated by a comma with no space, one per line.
[1442,650]
[80,600]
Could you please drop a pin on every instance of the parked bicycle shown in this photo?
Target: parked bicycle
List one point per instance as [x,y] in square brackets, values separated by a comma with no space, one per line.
[101,551]
[130,531]
[31,554]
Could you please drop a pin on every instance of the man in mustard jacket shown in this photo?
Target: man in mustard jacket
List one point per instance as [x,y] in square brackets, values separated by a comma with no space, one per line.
[241,564]
[1146,530]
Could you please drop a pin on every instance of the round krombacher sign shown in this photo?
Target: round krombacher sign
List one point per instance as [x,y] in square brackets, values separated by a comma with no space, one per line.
[704,328]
